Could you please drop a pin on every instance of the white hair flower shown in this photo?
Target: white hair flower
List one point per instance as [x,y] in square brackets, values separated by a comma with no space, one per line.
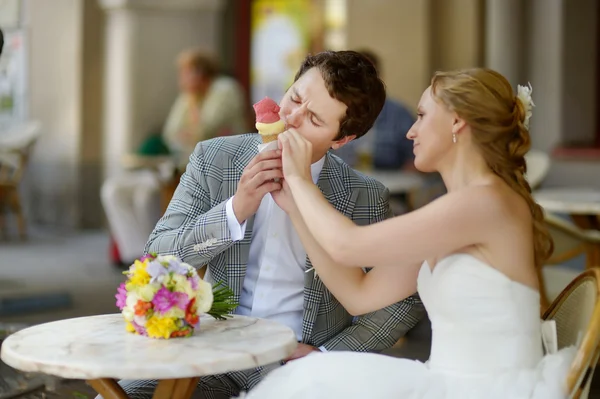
[524,95]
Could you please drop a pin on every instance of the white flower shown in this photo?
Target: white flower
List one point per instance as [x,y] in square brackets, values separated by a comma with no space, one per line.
[131,300]
[128,314]
[129,309]
[204,296]
[191,269]
[163,279]
[524,95]
[166,258]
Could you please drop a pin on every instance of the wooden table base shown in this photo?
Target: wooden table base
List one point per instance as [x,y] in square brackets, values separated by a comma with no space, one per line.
[167,389]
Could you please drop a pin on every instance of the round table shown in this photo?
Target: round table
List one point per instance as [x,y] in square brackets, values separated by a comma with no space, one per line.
[99,350]
[398,182]
[581,204]
[571,200]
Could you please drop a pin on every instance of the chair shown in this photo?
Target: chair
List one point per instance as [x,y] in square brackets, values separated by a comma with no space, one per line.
[569,242]
[538,165]
[15,148]
[576,312]
[164,168]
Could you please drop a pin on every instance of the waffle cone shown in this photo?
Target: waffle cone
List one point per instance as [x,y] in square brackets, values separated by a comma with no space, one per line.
[269,138]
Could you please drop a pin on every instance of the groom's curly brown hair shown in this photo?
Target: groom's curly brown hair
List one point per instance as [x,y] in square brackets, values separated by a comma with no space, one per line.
[351,78]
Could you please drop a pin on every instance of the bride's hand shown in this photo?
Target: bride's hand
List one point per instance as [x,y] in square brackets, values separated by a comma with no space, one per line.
[284,199]
[296,155]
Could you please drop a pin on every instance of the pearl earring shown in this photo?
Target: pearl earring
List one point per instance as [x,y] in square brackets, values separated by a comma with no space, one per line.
[454,139]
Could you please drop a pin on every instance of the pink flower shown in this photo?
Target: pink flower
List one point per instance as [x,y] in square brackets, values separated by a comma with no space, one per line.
[139,329]
[121,296]
[164,300]
[194,280]
[148,256]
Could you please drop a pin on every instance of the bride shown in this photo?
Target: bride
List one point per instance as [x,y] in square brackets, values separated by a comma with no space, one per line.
[471,254]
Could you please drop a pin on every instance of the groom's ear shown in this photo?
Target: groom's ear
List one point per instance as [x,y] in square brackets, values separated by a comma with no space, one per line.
[342,142]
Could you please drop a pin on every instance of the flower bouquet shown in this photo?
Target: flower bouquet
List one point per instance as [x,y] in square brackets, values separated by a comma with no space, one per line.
[163,297]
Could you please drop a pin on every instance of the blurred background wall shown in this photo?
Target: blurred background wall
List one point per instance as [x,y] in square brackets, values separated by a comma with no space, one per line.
[101,74]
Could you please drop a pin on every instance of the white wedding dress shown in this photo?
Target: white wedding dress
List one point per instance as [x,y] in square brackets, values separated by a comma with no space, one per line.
[487,343]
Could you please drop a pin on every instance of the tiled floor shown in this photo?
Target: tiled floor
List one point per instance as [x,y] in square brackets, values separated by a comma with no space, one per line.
[76,264]
[55,263]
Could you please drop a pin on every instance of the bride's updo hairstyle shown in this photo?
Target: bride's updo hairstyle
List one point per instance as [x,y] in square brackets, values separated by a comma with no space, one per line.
[499,122]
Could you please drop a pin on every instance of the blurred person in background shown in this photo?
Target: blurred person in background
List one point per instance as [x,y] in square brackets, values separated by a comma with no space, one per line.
[386,145]
[1,41]
[209,105]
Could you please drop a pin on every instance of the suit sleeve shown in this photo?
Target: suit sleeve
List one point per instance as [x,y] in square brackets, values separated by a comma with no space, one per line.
[193,227]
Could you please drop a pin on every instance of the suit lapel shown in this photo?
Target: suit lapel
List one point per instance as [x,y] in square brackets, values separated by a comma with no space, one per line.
[236,265]
[241,160]
[331,183]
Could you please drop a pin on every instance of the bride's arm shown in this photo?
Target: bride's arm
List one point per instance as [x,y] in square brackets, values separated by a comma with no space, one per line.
[448,224]
[357,291]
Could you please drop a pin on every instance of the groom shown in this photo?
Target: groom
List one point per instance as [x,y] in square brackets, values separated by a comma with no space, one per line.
[222,215]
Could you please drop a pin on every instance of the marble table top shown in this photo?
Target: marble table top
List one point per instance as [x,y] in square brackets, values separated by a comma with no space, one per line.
[572,200]
[99,347]
[398,182]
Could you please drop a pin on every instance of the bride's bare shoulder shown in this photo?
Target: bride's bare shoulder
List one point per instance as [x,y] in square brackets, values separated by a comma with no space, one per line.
[486,203]
[487,197]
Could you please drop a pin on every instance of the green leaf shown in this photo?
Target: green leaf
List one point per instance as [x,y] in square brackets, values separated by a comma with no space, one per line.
[223,302]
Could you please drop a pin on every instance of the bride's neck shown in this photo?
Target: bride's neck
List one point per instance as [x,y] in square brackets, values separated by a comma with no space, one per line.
[465,168]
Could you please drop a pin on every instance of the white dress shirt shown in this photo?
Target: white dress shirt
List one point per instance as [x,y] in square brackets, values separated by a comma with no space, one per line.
[274,283]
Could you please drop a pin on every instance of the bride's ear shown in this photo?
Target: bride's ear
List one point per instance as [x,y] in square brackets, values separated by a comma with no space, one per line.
[458,124]
[342,142]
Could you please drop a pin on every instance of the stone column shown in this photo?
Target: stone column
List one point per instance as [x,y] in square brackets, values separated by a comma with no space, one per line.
[143,38]
[545,71]
[504,38]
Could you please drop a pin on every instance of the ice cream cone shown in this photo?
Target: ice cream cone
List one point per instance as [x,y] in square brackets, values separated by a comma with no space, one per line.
[269,138]
[268,122]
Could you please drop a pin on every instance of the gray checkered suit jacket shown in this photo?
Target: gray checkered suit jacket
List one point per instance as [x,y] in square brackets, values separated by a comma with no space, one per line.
[196,218]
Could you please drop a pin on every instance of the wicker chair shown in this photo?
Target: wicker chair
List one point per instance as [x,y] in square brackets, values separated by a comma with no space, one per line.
[15,149]
[577,315]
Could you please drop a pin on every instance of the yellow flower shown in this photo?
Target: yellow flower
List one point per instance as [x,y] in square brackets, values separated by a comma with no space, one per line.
[139,276]
[160,327]
[129,327]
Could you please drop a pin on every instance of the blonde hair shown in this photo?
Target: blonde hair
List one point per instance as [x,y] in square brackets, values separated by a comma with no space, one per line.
[485,100]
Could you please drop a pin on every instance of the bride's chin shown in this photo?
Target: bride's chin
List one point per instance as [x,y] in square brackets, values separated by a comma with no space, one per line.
[421,167]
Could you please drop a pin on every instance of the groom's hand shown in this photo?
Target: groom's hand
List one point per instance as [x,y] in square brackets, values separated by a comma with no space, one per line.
[256,181]
[301,351]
